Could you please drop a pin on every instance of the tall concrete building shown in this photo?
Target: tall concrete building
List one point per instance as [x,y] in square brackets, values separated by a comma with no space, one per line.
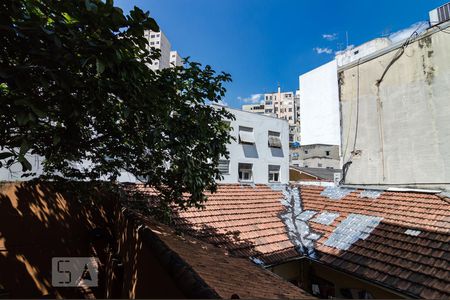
[283,105]
[175,59]
[168,58]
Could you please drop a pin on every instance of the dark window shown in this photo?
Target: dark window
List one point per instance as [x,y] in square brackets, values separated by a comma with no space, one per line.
[245,172]
[327,153]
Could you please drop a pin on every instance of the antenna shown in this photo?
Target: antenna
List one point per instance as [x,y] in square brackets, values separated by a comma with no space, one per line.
[346,38]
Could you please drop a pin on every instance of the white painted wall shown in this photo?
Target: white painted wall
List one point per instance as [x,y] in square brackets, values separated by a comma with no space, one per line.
[319,106]
[175,59]
[265,155]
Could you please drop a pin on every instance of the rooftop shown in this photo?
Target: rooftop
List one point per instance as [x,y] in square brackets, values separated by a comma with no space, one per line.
[399,240]
[396,239]
[209,271]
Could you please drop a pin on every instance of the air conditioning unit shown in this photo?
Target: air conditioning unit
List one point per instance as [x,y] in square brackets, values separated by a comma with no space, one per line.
[440,14]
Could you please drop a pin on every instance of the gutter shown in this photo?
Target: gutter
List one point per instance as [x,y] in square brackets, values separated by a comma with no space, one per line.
[388,188]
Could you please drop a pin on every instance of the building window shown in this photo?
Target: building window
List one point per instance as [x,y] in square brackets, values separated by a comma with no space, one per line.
[290,109]
[245,172]
[269,102]
[152,43]
[152,36]
[274,173]
[274,139]
[290,118]
[319,165]
[306,151]
[327,153]
[157,42]
[224,166]
[268,111]
[246,135]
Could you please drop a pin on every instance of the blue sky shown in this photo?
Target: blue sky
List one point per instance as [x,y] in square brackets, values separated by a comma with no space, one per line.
[263,42]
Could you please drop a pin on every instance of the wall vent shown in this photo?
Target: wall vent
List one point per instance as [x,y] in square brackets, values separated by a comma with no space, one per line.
[440,14]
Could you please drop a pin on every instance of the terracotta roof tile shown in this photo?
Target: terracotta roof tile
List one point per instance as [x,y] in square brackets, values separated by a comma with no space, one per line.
[222,274]
[421,263]
[247,221]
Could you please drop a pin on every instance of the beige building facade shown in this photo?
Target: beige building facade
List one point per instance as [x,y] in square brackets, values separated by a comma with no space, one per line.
[395,113]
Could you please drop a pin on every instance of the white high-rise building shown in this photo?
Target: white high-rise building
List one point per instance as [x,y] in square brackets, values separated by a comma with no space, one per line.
[175,59]
[159,41]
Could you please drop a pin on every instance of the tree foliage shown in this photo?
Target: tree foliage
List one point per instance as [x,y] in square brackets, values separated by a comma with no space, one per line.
[75,86]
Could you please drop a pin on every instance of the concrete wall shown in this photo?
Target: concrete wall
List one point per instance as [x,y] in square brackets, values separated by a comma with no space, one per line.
[403,128]
[351,55]
[319,106]
[259,154]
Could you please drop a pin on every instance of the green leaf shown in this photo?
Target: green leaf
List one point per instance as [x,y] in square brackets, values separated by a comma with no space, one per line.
[4,155]
[24,147]
[26,166]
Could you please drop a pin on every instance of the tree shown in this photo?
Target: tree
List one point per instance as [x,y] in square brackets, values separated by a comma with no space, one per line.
[75,86]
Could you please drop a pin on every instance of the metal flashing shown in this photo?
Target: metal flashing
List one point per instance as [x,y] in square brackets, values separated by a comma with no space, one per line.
[325,218]
[354,228]
[372,194]
[336,192]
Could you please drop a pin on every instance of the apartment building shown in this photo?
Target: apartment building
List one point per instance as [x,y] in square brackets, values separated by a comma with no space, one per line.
[175,59]
[260,152]
[283,105]
[254,108]
[158,40]
[316,156]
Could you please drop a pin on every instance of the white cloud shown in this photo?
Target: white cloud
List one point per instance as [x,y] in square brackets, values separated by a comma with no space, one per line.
[329,36]
[406,33]
[319,50]
[254,98]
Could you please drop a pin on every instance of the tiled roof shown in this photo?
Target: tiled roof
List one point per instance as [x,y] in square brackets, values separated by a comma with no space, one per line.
[400,240]
[205,271]
[243,219]
[409,249]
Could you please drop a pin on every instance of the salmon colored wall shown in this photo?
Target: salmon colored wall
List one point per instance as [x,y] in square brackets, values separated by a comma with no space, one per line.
[42,220]
[39,221]
[142,276]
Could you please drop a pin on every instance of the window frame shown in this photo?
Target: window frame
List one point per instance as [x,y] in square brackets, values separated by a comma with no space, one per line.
[245,168]
[274,172]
